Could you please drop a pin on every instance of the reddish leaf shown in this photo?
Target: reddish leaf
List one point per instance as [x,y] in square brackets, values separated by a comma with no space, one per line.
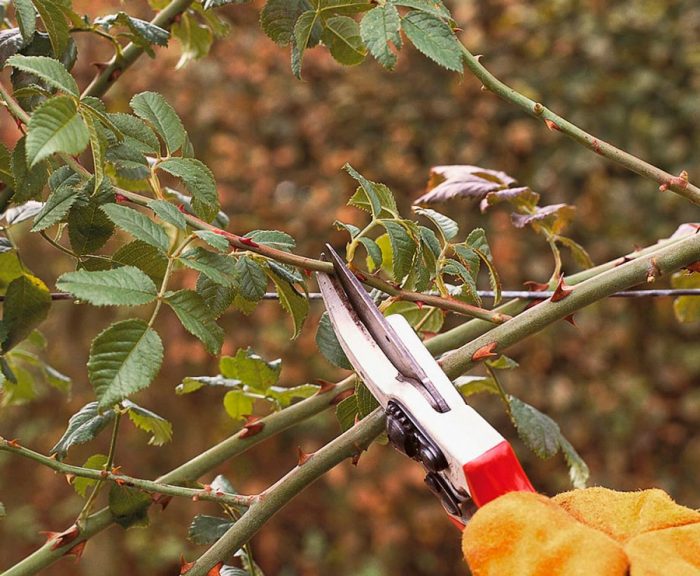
[448,182]
[302,457]
[162,500]
[216,570]
[487,351]
[561,291]
[555,215]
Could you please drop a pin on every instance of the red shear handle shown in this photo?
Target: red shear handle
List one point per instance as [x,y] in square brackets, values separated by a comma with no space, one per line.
[495,473]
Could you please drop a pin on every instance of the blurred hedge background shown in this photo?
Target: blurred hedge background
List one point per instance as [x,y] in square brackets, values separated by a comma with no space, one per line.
[623,385]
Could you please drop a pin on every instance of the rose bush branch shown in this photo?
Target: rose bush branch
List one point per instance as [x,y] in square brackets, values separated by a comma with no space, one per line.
[678,184]
[124,480]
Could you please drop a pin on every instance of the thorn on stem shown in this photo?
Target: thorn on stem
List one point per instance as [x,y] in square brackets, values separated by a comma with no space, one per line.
[338,398]
[486,351]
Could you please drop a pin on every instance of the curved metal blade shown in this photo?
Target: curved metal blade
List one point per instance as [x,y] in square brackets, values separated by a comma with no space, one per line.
[383,333]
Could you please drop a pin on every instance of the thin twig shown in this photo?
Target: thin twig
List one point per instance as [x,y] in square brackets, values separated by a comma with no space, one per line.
[124,480]
[678,184]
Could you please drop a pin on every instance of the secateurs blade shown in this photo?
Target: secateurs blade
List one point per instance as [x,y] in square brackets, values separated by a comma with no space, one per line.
[467,461]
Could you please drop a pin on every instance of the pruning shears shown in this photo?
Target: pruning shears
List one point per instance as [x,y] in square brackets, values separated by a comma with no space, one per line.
[468,462]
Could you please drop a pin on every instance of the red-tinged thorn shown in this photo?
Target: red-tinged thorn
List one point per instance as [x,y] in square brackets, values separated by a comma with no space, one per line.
[181,208]
[338,398]
[251,427]
[216,570]
[486,351]
[306,272]
[248,242]
[420,304]
[116,469]
[19,123]
[70,478]
[553,126]
[536,286]
[13,443]
[570,319]
[561,291]
[77,551]
[694,267]
[162,500]
[60,539]
[99,65]
[116,73]
[120,481]
[120,198]
[326,386]
[302,457]
[184,566]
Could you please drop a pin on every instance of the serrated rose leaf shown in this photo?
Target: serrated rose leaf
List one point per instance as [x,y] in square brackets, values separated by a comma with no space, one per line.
[380,28]
[403,248]
[294,303]
[251,369]
[445,225]
[168,213]
[83,426]
[196,318]
[578,469]
[328,344]
[341,34]
[539,432]
[434,38]
[129,506]
[200,182]
[463,181]
[217,267]
[138,225]
[25,306]
[205,530]
[49,70]
[55,126]
[125,286]
[124,359]
[251,278]
[160,429]
[154,109]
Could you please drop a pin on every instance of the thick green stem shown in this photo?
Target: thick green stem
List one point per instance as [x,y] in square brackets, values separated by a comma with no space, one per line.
[666,181]
[346,445]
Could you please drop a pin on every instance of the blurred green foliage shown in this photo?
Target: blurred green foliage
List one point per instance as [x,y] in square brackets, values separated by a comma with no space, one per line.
[623,385]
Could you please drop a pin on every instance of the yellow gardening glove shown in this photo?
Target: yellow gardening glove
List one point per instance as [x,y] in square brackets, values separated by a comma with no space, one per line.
[592,532]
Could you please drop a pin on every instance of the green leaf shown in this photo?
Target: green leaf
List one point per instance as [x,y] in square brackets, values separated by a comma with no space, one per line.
[168,213]
[195,40]
[366,403]
[154,109]
[273,239]
[415,315]
[348,7]
[341,35]
[460,271]
[10,267]
[447,227]
[283,396]
[238,404]
[135,133]
[143,33]
[11,40]
[26,305]
[372,197]
[307,30]
[196,318]
[579,253]
[216,297]
[129,506]
[278,18]
[83,426]
[502,363]
[95,462]
[56,207]
[434,38]
[470,385]
[403,248]
[26,18]
[209,4]
[294,303]
[478,242]
[346,412]
[328,344]
[578,469]
[349,228]
[686,308]
[55,126]
[250,278]
[28,181]
[199,181]
[539,432]
[138,225]
[251,369]
[374,253]
[217,267]
[6,176]
[159,428]
[98,145]
[49,70]
[434,7]
[216,241]
[194,383]
[55,24]
[143,256]
[205,530]
[125,286]
[380,28]
[124,359]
